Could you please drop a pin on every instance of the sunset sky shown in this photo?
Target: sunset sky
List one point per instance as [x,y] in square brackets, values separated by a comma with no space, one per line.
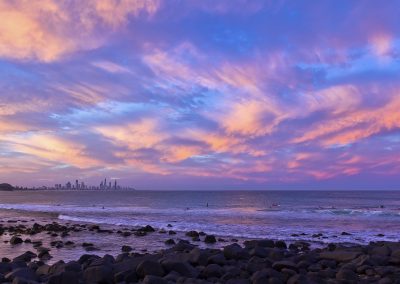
[201,94]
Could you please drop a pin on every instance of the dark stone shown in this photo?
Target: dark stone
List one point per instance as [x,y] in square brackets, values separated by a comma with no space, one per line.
[66,277]
[98,274]
[339,255]
[149,267]
[148,229]
[171,232]
[279,265]
[346,274]
[280,244]
[151,279]
[192,234]
[210,239]
[218,258]
[24,273]
[183,245]
[126,248]
[235,251]
[198,256]
[259,251]
[213,270]
[169,242]
[345,234]
[26,257]
[16,240]
[43,270]
[182,267]
[5,267]
[140,233]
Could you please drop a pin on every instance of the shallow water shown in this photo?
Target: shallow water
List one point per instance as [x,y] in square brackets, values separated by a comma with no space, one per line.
[247,214]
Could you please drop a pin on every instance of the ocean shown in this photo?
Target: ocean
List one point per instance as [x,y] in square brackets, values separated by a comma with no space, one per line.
[288,215]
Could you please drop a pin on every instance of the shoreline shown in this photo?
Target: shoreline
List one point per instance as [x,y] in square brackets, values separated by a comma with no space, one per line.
[185,261]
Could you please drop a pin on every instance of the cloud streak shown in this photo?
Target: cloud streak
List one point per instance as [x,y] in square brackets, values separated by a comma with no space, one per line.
[265,95]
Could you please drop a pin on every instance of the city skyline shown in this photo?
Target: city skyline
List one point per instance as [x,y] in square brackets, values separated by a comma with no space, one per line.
[201,94]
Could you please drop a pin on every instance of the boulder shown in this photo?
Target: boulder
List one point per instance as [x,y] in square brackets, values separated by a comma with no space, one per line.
[170,242]
[212,270]
[280,244]
[66,277]
[181,267]
[16,240]
[43,270]
[218,258]
[183,245]
[235,251]
[26,257]
[149,267]
[98,274]
[347,275]
[24,273]
[151,279]
[279,265]
[339,255]
[210,239]
[192,234]
[126,248]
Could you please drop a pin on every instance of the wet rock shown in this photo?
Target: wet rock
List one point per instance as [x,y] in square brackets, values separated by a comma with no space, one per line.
[339,255]
[213,270]
[26,257]
[183,245]
[380,250]
[19,280]
[264,276]
[192,234]
[345,234]
[259,251]
[140,233]
[126,234]
[5,267]
[346,274]
[172,276]
[169,242]
[151,279]
[16,240]
[218,258]
[181,267]
[235,251]
[210,239]
[67,277]
[43,270]
[126,248]
[24,273]
[171,232]
[198,257]
[279,265]
[280,244]
[149,267]
[98,274]
[148,229]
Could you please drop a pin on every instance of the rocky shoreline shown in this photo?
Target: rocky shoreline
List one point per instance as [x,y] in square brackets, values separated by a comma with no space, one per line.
[182,261]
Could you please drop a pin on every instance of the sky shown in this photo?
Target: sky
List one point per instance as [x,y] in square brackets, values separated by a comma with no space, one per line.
[201,94]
